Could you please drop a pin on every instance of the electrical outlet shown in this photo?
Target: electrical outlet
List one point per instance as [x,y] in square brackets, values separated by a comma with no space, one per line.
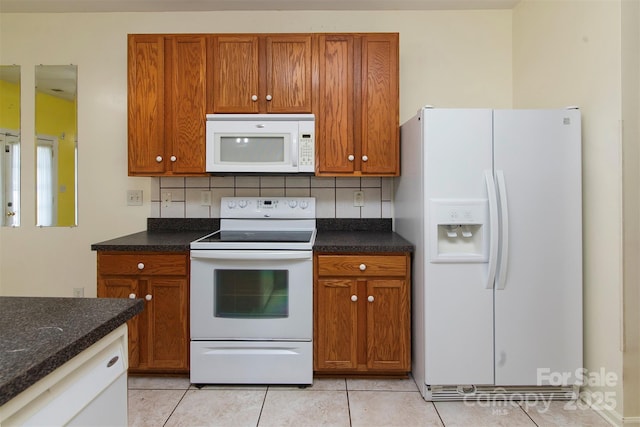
[134,197]
[166,200]
[205,198]
[358,198]
[78,292]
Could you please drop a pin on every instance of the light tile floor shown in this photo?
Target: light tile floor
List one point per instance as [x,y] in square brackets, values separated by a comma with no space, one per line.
[155,401]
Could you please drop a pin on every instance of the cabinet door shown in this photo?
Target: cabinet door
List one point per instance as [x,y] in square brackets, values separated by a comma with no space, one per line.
[122,287]
[186,57]
[334,119]
[288,73]
[336,324]
[146,104]
[168,335]
[388,325]
[235,74]
[380,112]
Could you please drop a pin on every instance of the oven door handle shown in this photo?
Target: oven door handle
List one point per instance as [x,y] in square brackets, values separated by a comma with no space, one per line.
[251,255]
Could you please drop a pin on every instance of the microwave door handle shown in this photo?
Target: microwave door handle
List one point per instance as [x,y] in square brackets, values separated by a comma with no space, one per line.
[294,151]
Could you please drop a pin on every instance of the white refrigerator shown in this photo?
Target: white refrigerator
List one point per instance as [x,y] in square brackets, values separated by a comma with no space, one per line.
[492,200]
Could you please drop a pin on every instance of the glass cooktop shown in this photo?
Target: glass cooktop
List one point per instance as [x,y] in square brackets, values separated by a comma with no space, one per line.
[258,236]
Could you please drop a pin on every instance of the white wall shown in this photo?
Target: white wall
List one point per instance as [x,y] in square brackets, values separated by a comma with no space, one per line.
[631,205]
[449,59]
[569,53]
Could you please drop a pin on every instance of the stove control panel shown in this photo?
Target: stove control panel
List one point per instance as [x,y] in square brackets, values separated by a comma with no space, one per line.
[268,207]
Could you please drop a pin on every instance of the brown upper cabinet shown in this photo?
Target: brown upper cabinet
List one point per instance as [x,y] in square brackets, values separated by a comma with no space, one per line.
[357,118]
[349,81]
[166,101]
[261,73]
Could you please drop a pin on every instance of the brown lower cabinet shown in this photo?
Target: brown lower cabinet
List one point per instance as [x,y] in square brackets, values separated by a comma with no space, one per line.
[362,315]
[159,335]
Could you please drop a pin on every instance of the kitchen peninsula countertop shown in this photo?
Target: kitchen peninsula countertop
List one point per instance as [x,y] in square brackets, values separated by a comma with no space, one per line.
[40,334]
[334,235]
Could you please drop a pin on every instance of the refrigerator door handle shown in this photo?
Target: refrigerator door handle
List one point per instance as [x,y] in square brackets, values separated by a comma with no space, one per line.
[504,227]
[493,228]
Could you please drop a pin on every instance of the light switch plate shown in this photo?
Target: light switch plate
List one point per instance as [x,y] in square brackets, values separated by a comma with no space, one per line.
[134,197]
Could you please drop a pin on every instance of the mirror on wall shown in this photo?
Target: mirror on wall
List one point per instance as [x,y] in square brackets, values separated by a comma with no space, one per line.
[56,145]
[10,145]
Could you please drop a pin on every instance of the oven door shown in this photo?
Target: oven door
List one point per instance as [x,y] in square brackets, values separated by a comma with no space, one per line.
[251,295]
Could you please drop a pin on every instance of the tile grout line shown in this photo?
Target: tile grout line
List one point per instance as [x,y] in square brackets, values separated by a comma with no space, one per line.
[346,388]
[437,412]
[264,400]
[527,414]
[175,407]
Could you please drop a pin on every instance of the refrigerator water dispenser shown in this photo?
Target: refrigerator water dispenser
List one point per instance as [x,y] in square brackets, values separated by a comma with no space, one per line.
[461,230]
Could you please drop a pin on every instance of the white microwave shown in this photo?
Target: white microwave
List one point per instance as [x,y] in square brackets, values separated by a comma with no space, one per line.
[260,143]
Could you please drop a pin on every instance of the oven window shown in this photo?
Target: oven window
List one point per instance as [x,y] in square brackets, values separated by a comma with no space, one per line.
[251,293]
[252,149]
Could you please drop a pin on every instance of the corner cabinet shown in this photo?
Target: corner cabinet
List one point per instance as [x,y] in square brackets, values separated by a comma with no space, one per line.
[166,104]
[357,118]
[261,73]
[362,315]
[159,335]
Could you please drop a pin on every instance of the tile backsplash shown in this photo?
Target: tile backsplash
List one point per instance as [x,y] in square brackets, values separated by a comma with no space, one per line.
[334,196]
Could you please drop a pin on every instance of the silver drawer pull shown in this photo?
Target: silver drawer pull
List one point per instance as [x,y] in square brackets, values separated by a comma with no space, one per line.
[113,361]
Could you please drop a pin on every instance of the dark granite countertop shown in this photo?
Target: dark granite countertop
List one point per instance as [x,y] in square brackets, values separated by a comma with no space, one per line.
[162,235]
[152,241]
[361,241]
[38,335]
[334,235]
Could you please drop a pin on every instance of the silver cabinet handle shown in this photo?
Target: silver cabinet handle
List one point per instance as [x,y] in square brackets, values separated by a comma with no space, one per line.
[269,98]
[148,297]
[365,158]
[363,267]
[354,298]
[132,296]
[254,98]
[370,298]
[351,157]
[113,361]
[140,266]
[158,159]
[173,158]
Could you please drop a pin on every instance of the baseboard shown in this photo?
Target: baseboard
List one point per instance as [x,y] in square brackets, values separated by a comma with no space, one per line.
[612,416]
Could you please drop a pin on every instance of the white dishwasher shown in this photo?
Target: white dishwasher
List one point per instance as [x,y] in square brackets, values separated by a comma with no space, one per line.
[88,390]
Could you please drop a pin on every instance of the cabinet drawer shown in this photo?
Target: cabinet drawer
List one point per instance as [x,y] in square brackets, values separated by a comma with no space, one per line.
[142,264]
[362,265]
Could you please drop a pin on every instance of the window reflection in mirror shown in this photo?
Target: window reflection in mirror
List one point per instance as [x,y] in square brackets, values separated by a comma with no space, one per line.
[56,145]
[10,145]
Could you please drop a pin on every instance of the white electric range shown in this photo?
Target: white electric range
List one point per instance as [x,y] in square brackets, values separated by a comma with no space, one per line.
[251,297]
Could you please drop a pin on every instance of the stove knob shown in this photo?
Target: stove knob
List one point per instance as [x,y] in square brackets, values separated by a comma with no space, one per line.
[293,204]
[231,204]
[242,203]
[304,204]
